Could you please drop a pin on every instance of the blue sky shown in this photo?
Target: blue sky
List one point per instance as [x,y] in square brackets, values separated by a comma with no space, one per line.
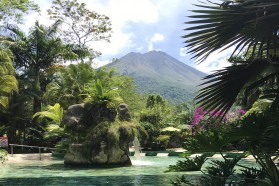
[142,26]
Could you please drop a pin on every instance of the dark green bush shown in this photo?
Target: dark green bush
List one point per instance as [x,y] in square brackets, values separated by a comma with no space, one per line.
[189,164]
[181,181]
[252,174]
[219,172]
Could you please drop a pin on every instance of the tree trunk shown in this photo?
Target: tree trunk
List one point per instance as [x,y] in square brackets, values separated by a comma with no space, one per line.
[37,90]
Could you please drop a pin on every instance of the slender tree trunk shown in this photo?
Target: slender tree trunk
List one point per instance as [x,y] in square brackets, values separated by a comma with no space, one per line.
[37,89]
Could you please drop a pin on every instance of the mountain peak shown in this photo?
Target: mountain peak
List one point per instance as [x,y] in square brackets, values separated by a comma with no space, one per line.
[158,72]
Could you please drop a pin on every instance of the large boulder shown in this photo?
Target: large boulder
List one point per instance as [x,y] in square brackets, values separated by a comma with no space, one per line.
[104,142]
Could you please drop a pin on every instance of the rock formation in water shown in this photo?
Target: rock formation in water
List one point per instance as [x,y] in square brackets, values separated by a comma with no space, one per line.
[100,139]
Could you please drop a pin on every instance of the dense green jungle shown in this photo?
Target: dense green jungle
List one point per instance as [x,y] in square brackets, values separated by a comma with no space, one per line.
[46,70]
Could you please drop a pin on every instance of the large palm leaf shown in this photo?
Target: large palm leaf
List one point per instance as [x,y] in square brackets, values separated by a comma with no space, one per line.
[8,82]
[55,113]
[225,85]
[251,27]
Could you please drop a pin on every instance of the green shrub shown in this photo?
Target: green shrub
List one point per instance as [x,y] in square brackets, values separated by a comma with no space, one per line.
[219,172]
[185,154]
[252,174]
[181,181]
[194,164]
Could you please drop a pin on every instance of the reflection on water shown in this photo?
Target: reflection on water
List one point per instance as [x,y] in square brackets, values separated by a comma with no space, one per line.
[147,171]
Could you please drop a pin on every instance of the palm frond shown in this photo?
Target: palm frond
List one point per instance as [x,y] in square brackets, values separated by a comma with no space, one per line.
[4,102]
[55,113]
[224,85]
[251,24]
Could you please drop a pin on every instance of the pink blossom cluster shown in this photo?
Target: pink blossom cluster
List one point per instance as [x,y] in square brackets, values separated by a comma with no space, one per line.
[200,113]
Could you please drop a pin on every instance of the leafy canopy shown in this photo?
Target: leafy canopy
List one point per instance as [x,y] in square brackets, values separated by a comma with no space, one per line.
[83,26]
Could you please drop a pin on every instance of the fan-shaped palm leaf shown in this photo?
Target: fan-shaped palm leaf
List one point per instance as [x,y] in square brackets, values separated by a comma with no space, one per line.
[251,24]
[225,85]
[246,25]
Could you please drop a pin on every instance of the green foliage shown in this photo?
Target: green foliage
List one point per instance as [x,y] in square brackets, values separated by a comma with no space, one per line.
[213,139]
[105,98]
[182,181]
[3,155]
[219,172]
[83,26]
[52,116]
[189,164]
[55,113]
[8,82]
[222,168]
[13,10]
[36,52]
[252,174]
[234,23]
[164,139]
[62,146]
[174,93]
[115,132]
[155,100]
[70,84]
[159,73]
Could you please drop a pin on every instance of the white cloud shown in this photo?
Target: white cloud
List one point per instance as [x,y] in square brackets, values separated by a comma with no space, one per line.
[183,52]
[139,49]
[121,13]
[98,63]
[215,61]
[157,37]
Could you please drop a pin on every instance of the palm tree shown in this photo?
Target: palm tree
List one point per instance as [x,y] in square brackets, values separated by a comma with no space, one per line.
[102,97]
[53,115]
[251,27]
[8,82]
[36,53]
[70,84]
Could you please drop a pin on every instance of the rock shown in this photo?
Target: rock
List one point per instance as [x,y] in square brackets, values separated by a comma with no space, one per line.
[99,147]
[124,114]
[76,155]
[108,155]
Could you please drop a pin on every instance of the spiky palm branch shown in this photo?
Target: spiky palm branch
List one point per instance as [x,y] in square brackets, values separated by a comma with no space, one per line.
[251,27]
[8,82]
[36,52]
[54,116]
[104,97]
[70,84]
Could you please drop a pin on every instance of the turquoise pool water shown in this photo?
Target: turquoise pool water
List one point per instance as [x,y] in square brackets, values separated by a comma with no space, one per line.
[147,171]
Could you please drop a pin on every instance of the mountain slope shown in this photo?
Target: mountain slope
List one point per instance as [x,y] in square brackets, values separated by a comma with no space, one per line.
[157,72]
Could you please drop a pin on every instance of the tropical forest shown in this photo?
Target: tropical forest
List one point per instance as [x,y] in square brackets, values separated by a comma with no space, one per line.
[141,119]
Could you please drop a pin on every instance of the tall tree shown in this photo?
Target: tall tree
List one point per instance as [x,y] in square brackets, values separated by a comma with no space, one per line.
[36,53]
[8,82]
[251,27]
[13,10]
[70,84]
[83,26]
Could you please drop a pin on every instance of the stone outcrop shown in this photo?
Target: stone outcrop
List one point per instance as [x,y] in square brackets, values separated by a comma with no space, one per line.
[103,143]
